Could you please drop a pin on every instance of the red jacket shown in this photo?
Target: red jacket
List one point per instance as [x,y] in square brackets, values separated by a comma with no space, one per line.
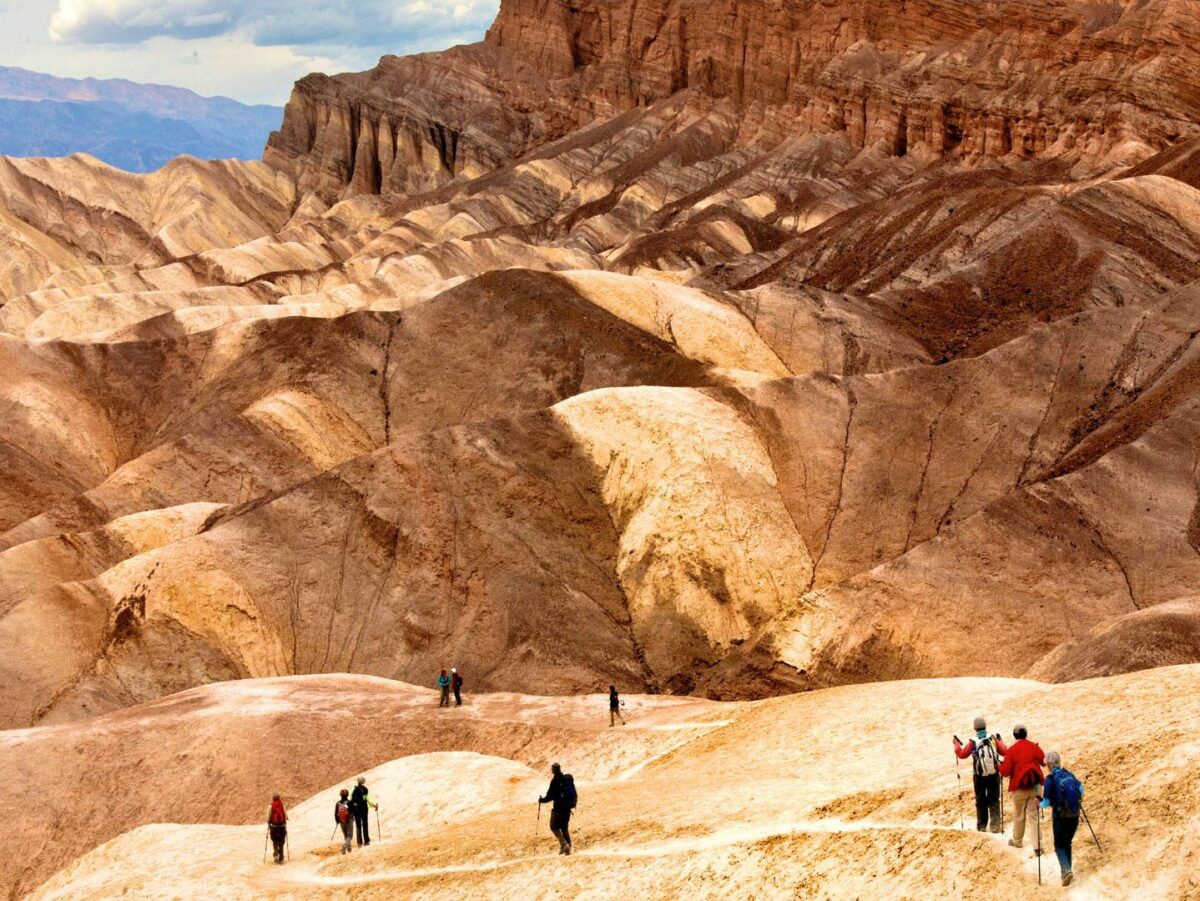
[1023,765]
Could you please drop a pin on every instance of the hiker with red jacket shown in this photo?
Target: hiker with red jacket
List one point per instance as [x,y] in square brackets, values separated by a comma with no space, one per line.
[985,752]
[277,827]
[344,820]
[1023,766]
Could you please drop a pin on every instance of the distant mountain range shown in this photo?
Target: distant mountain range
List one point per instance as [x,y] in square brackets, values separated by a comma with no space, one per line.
[134,126]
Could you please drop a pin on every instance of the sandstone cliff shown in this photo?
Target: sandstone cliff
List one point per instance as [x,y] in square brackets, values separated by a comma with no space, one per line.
[625,383]
[1094,82]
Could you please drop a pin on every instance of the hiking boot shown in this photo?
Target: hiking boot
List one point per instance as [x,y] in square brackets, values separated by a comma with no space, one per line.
[1013,844]
[998,830]
[568,851]
[1068,877]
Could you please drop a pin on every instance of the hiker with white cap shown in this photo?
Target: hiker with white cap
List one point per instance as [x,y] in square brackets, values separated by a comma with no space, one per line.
[456,683]
[1063,794]
[985,752]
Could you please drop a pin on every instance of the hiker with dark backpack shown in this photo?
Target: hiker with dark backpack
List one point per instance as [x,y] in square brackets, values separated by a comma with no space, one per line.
[985,752]
[444,686]
[1063,794]
[562,795]
[456,684]
[614,707]
[277,827]
[1023,767]
[360,807]
[344,820]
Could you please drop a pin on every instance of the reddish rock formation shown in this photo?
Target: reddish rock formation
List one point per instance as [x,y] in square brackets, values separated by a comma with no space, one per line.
[1092,82]
[618,380]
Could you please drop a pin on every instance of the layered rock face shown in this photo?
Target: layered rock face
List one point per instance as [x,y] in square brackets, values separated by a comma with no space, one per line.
[1093,82]
[722,349]
[626,383]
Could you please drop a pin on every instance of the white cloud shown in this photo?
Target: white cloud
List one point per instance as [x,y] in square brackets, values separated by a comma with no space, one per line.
[387,24]
[252,50]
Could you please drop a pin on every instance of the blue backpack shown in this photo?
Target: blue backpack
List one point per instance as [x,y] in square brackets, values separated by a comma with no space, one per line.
[1068,793]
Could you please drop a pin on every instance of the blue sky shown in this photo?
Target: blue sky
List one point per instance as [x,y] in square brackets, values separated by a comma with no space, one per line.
[251,50]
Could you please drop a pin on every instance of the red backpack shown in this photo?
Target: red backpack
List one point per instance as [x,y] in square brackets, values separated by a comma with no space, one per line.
[278,817]
[343,812]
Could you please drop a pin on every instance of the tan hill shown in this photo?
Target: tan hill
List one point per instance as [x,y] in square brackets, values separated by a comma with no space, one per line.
[715,349]
[843,792]
[624,382]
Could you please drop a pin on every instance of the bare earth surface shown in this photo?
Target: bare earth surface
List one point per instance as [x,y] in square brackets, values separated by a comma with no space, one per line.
[848,792]
[684,380]
[718,350]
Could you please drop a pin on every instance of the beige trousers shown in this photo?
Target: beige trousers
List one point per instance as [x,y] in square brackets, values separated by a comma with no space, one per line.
[1025,810]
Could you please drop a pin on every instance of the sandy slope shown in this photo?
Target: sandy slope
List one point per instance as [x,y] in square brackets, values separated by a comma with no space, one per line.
[848,792]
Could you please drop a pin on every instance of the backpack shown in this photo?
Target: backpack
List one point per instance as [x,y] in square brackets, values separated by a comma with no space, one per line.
[343,811]
[1069,794]
[984,758]
[568,791]
[278,817]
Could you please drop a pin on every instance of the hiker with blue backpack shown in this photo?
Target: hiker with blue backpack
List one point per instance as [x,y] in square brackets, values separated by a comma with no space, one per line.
[561,794]
[985,752]
[1063,794]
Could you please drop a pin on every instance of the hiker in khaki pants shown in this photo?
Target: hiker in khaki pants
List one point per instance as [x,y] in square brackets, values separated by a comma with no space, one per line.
[1023,766]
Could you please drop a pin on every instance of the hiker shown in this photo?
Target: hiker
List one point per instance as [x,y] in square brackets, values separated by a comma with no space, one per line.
[614,707]
[1063,794]
[561,794]
[985,752]
[277,827]
[456,683]
[360,806]
[344,819]
[444,685]
[1023,767]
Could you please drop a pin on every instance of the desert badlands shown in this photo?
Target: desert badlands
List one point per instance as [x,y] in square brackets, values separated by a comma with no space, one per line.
[821,373]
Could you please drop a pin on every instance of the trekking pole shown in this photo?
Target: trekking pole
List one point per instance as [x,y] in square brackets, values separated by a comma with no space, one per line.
[378,828]
[1090,829]
[266,839]
[1039,841]
[958,776]
[539,820]
[287,842]
[332,834]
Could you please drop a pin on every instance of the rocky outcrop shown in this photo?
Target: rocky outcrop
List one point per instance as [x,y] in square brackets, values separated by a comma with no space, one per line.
[1096,83]
[739,410]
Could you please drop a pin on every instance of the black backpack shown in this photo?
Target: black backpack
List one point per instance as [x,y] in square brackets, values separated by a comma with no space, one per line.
[570,796]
